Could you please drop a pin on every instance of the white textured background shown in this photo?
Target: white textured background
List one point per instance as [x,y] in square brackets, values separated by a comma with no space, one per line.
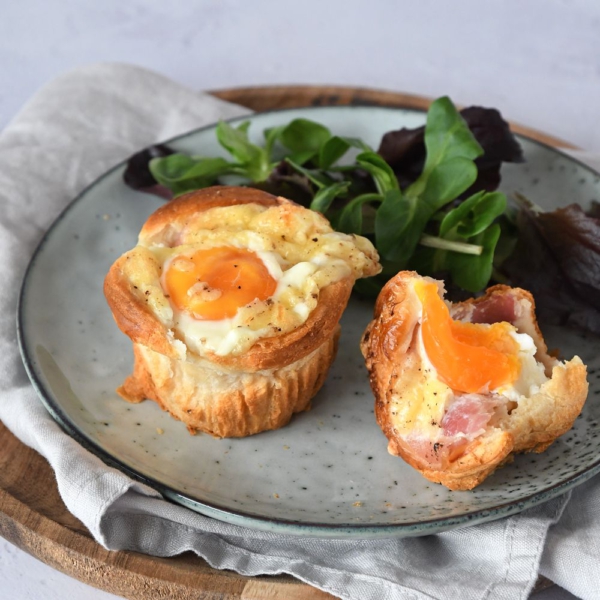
[538,61]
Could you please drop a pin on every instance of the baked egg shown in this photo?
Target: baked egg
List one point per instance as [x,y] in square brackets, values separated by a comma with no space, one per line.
[455,359]
[460,388]
[232,275]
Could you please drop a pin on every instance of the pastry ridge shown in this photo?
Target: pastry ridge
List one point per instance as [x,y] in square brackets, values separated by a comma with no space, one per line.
[216,402]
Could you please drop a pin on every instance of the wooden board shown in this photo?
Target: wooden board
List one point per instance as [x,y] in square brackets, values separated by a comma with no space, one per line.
[292,96]
[34,518]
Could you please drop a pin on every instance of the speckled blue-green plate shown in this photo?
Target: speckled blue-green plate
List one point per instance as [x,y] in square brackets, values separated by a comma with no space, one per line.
[328,473]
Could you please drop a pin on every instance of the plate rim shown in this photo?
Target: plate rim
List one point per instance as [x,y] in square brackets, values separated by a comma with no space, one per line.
[251,520]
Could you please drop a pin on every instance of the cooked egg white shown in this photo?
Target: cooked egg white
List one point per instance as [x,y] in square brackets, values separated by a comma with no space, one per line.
[532,374]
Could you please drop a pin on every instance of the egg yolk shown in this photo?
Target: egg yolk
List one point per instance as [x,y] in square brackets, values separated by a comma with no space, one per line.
[213,284]
[468,357]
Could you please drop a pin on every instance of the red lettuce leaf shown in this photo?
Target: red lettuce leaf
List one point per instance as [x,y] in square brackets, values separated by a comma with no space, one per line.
[594,210]
[137,174]
[557,258]
[285,181]
[404,149]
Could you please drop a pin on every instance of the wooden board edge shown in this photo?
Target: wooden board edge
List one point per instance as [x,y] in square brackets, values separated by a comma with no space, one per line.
[128,574]
[261,98]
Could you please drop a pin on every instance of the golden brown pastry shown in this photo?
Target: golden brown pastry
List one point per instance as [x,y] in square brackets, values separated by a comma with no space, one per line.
[232,299]
[461,388]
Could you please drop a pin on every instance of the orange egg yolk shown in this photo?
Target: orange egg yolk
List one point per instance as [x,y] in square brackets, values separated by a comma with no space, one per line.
[468,357]
[213,284]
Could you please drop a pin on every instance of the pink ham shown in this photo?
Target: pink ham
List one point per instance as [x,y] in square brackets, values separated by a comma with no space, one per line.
[433,454]
[466,417]
[497,307]
[468,414]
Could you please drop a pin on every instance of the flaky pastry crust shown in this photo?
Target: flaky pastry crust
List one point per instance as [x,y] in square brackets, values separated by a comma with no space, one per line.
[389,344]
[229,395]
[223,404]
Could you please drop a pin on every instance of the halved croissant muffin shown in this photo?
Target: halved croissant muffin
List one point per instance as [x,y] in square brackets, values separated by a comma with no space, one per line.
[461,388]
[232,299]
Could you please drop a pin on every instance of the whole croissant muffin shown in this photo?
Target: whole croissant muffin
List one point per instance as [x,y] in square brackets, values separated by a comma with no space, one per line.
[232,299]
[461,388]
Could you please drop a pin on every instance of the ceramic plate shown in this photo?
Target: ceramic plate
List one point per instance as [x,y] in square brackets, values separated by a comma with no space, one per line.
[328,473]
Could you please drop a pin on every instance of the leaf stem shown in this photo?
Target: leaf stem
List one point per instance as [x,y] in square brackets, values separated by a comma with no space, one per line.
[441,244]
[527,203]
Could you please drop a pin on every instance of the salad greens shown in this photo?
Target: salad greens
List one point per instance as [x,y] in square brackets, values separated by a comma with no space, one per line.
[557,258]
[424,223]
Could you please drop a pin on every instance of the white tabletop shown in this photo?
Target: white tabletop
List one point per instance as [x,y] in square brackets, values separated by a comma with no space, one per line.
[537,61]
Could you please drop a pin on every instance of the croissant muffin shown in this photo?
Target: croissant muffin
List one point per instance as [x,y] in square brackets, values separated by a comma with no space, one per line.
[232,299]
[460,388]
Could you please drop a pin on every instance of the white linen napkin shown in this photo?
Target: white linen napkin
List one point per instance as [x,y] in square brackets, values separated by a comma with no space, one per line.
[71,132]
